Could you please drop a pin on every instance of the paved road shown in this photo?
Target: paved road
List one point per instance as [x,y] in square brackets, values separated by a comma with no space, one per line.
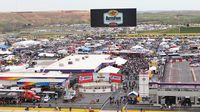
[178,72]
[197,73]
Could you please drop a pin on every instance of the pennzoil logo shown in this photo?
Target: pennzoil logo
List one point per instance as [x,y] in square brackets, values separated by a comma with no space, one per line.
[113,17]
[113,13]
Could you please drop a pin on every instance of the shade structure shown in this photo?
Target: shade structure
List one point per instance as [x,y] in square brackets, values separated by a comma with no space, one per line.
[133,93]
[152,68]
[109,69]
[120,61]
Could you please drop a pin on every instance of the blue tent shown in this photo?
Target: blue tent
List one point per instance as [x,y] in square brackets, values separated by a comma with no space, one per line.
[85,49]
[4,47]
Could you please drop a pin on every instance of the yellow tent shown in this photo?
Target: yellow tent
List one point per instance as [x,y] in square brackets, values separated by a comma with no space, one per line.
[150,74]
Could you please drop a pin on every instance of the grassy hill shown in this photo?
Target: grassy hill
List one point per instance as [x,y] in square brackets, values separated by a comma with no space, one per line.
[190,29]
[16,20]
[169,17]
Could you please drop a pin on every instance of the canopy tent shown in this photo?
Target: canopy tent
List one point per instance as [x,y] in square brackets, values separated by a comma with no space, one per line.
[173,45]
[46,54]
[120,61]
[63,51]
[27,43]
[4,47]
[16,68]
[137,47]
[133,93]
[152,68]
[163,43]
[84,49]
[5,52]
[175,49]
[109,69]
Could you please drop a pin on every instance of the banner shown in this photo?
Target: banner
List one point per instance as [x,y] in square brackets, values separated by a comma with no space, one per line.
[116,78]
[84,78]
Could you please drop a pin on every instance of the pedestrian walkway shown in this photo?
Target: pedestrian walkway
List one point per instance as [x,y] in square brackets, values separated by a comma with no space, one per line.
[18,109]
[136,111]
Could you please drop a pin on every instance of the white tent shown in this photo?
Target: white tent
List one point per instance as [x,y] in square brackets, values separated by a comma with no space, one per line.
[46,54]
[152,68]
[5,52]
[133,92]
[63,51]
[14,68]
[163,43]
[119,61]
[137,47]
[175,49]
[109,69]
[27,43]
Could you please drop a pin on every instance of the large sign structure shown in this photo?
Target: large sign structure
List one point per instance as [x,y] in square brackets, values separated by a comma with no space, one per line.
[144,85]
[113,17]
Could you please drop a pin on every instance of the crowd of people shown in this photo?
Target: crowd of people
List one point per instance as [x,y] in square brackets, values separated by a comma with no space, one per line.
[134,65]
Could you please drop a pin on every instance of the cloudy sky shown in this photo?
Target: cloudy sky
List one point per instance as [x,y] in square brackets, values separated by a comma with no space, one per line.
[54,5]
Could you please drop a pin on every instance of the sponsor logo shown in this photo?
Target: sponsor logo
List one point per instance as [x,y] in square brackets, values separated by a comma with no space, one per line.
[113,18]
[85,78]
[116,78]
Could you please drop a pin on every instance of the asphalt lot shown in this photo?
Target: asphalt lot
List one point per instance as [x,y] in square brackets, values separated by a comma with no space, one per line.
[197,73]
[181,72]
[178,72]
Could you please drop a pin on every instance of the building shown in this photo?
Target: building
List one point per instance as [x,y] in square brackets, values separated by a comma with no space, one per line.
[79,63]
[99,83]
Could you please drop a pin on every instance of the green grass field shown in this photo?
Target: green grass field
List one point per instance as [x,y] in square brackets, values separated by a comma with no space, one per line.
[190,30]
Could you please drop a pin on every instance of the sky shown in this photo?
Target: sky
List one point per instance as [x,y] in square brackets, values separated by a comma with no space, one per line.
[55,5]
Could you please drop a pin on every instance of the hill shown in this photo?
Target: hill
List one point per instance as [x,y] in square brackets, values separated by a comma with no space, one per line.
[170,17]
[17,20]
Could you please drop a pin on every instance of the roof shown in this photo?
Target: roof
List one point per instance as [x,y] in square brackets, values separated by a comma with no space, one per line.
[13,75]
[78,62]
[120,61]
[109,69]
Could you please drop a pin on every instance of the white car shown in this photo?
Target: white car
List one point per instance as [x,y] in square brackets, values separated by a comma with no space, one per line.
[46,98]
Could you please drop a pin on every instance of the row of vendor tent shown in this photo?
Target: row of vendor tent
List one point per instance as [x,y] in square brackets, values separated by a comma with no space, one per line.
[139,49]
[27,43]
